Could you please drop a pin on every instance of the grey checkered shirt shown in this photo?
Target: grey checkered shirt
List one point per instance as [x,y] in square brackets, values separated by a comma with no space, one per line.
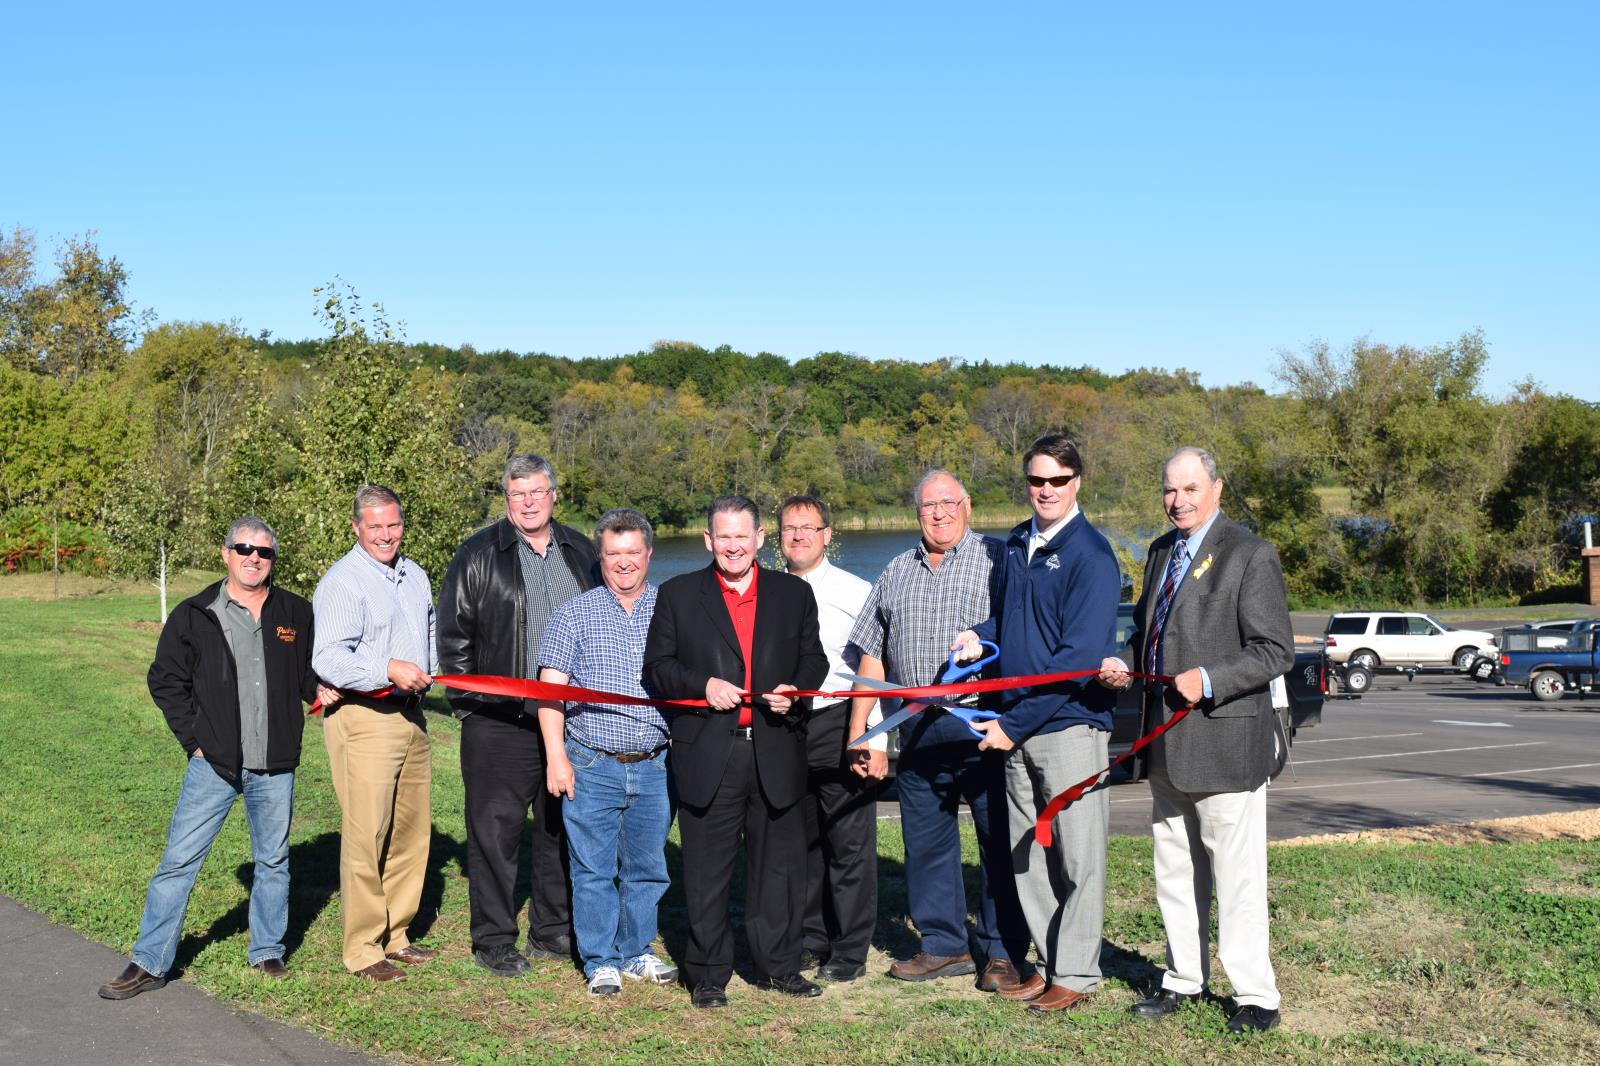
[914,612]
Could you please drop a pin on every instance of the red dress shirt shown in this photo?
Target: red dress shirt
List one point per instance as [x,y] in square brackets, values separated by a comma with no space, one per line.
[742,609]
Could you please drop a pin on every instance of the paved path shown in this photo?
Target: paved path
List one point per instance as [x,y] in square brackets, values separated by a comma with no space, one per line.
[50,1015]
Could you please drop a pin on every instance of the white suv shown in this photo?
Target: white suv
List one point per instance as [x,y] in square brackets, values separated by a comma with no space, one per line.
[1394,638]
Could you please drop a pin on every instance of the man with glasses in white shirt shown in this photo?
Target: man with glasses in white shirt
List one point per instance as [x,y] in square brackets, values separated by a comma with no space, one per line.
[841,792]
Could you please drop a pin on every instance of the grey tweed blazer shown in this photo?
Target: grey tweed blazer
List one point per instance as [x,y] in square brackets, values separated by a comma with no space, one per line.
[1231,616]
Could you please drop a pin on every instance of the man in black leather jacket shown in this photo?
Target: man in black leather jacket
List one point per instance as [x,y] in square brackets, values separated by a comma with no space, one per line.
[501,587]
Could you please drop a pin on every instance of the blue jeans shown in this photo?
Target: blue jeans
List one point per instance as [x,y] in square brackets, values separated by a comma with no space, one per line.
[943,768]
[617,822]
[203,805]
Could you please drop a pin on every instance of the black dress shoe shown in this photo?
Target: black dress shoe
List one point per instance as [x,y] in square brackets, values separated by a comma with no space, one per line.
[555,949]
[1252,1019]
[791,985]
[130,982]
[707,995]
[839,970]
[1161,1004]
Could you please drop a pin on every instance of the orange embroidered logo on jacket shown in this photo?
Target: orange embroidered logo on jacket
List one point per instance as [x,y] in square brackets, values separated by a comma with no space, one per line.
[286,634]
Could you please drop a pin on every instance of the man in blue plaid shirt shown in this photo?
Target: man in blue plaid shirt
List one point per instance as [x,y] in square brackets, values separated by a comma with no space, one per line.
[609,762]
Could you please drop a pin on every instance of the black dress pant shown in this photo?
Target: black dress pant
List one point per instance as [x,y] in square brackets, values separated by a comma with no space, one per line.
[502,769]
[841,813]
[775,854]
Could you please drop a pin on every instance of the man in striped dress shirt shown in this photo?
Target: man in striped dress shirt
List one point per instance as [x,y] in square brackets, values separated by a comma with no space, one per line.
[375,631]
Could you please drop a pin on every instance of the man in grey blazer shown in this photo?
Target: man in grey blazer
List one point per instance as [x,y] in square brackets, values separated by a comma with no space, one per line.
[1213,614]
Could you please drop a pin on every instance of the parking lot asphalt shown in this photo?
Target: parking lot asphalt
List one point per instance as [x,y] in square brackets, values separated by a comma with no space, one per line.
[1438,749]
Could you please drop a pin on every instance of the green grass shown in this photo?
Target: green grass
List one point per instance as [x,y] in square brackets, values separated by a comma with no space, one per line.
[1385,953]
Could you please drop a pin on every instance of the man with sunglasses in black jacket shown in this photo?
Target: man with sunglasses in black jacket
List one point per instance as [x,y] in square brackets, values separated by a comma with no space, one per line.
[232,669]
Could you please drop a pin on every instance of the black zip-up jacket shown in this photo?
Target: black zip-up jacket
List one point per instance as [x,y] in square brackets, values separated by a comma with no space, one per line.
[482,622]
[196,684]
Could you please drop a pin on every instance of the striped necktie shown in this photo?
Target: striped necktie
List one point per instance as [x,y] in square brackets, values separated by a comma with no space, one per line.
[1169,589]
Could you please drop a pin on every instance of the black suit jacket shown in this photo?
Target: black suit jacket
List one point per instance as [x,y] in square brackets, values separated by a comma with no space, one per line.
[692,640]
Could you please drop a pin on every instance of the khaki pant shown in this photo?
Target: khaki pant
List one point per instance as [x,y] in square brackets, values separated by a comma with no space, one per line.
[381,766]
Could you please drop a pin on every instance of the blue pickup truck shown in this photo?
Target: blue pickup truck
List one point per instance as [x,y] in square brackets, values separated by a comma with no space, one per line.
[1551,662]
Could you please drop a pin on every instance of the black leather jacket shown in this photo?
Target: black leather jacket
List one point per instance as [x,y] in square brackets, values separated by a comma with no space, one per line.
[482,622]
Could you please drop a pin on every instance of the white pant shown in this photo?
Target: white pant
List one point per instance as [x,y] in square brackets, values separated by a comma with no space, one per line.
[1203,838]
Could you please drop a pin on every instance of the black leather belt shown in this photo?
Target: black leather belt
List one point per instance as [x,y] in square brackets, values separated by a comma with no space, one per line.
[391,704]
[635,756]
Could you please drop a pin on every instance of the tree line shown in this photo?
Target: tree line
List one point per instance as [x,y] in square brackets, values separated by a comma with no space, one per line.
[1383,473]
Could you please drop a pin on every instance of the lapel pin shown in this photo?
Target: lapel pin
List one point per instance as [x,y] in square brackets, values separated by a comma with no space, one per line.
[1205,564]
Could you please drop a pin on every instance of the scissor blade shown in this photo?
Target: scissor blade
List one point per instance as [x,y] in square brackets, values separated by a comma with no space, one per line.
[889,722]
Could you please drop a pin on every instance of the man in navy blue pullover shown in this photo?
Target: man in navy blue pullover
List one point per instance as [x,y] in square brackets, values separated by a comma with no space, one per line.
[1057,613]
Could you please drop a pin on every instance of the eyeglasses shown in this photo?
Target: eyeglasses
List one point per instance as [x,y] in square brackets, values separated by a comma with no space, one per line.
[1060,481]
[802,531]
[532,494]
[931,506]
[265,551]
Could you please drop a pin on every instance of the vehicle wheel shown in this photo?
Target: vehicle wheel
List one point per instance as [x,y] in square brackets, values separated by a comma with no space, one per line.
[1547,685]
[1365,657]
[1465,657]
[1357,679]
[1482,668]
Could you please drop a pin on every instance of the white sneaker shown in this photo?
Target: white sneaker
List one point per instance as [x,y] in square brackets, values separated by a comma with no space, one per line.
[605,982]
[649,968]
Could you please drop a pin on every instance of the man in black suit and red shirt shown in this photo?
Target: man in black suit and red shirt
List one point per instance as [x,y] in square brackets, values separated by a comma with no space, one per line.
[740,765]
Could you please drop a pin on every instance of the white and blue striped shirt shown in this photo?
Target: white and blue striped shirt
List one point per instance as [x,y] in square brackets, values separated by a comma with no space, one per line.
[368,613]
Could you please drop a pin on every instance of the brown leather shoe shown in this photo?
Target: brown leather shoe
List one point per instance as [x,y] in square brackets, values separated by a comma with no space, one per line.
[998,975]
[412,955]
[925,967]
[1056,997]
[1024,991]
[130,983]
[273,968]
[382,970]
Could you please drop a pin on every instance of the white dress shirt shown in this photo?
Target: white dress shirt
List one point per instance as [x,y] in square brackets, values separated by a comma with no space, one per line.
[840,597]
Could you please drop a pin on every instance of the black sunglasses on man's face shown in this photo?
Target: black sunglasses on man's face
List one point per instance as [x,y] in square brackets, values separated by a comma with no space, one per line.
[266,552]
[1060,481]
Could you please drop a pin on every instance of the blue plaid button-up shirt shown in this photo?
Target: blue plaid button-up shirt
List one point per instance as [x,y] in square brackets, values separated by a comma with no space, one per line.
[596,643]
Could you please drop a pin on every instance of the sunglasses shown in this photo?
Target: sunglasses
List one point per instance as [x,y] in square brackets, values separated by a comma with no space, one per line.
[265,551]
[1059,482]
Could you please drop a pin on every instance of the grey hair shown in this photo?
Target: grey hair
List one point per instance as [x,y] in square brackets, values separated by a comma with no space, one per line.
[521,466]
[922,482]
[249,521]
[1201,454]
[375,496]
[624,520]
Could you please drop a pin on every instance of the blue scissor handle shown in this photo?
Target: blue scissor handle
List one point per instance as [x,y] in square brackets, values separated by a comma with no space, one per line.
[954,671]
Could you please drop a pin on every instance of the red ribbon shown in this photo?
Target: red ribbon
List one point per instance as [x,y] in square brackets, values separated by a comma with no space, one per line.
[523,688]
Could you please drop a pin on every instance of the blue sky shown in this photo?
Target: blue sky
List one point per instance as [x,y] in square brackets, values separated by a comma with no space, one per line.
[1180,185]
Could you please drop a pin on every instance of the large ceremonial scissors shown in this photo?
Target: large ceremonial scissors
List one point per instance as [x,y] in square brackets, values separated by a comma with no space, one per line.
[952,672]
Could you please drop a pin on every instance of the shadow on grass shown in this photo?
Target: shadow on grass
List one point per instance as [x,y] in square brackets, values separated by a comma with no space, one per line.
[313,882]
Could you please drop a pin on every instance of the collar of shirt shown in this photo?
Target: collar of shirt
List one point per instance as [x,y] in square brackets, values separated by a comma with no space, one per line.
[1041,537]
[646,596]
[733,594]
[954,550]
[817,574]
[390,573]
[1193,540]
